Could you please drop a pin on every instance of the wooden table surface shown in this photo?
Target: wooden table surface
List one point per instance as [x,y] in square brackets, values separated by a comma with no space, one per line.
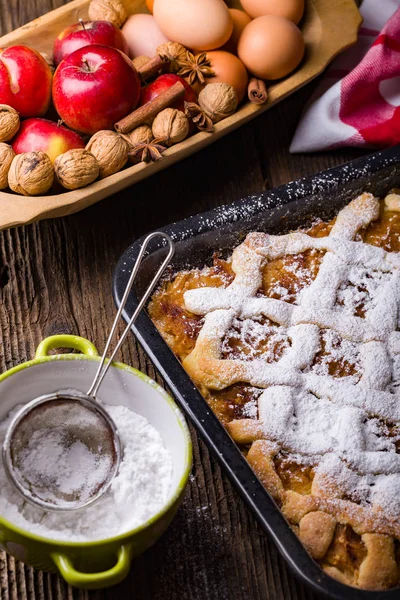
[55,277]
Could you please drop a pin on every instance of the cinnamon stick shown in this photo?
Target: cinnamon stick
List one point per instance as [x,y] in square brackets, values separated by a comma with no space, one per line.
[148,112]
[257,91]
[154,66]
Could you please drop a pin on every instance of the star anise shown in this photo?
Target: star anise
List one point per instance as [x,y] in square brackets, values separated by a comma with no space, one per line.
[148,151]
[196,68]
[197,115]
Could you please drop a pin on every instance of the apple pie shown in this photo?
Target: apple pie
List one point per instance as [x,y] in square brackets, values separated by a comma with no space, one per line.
[294,341]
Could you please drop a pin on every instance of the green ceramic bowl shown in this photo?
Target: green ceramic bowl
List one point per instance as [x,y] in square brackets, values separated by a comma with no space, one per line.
[99,564]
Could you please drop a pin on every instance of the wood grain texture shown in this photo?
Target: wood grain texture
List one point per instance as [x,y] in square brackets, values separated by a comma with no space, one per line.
[328,28]
[55,276]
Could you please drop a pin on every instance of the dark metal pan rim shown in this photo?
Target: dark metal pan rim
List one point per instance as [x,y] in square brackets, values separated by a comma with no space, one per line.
[314,190]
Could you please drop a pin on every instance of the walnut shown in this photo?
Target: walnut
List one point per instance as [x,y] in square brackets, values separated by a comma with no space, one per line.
[9,122]
[49,60]
[76,168]
[140,135]
[218,100]
[31,174]
[174,52]
[110,150]
[108,10]
[140,61]
[171,125]
[6,157]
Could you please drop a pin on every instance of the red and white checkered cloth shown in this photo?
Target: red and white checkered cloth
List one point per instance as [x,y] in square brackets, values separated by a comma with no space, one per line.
[358,102]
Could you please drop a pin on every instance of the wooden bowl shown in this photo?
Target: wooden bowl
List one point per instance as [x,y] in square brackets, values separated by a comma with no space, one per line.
[328,28]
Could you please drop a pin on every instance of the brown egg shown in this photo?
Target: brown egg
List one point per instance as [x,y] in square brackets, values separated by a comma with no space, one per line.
[240,20]
[143,35]
[228,69]
[271,47]
[290,9]
[197,24]
[150,4]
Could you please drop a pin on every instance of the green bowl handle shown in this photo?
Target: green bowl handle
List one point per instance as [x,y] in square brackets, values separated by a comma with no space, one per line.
[94,580]
[66,341]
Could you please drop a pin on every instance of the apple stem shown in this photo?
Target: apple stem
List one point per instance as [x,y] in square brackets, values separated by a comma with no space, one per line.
[83,24]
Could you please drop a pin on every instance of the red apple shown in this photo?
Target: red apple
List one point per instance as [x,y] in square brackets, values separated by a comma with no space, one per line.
[86,34]
[47,136]
[161,84]
[94,87]
[25,81]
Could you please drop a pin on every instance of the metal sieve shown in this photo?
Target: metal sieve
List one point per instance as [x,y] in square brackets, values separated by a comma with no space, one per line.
[62,450]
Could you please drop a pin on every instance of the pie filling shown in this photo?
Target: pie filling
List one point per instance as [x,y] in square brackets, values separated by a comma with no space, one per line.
[294,341]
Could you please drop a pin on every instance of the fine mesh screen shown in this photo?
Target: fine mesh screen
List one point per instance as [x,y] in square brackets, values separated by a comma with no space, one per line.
[63,451]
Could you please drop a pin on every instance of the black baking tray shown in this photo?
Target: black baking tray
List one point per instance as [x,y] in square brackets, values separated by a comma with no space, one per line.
[220,230]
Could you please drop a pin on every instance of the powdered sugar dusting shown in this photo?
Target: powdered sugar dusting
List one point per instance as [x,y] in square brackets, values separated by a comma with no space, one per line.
[50,459]
[345,318]
[360,292]
[250,338]
[337,350]
[138,492]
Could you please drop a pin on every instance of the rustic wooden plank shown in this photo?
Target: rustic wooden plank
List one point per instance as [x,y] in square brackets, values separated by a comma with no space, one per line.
[56,276]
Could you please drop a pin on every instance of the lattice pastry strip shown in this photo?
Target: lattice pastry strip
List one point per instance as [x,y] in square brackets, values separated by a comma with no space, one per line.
[330,423]
[316,518]
[350,459]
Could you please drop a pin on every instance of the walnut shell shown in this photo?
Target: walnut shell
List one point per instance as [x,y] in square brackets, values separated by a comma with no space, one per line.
[108,10]
[6,157]
[9,122]
[218,100]
[141,135]
[31,173]
[140,61]
[76,168]
[174,52]
[171,125]
[110,150]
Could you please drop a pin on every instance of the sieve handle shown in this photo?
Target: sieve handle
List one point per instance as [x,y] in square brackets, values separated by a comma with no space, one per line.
[103,366]
[94,580]
[74,342]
